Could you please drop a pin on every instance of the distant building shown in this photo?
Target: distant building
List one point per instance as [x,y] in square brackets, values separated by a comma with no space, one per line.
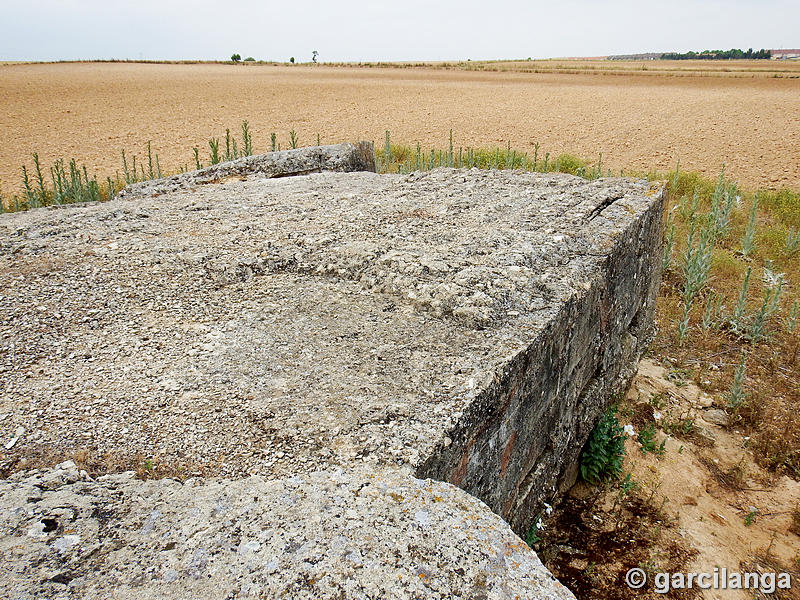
[786,53]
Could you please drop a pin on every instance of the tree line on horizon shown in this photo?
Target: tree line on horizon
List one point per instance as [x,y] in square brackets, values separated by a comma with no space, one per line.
[718,54]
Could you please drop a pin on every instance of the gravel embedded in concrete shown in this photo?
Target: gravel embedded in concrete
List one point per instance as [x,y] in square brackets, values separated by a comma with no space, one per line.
[356,535]
[278,326]
[304,340]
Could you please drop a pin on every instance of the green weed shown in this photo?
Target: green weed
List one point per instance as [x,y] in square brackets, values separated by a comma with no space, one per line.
[603,454]
[736,395]
[213,144]
[647,441]
[748,239]
[247,139]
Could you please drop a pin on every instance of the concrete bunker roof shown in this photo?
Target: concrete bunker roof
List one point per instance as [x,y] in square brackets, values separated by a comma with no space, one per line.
[280,326]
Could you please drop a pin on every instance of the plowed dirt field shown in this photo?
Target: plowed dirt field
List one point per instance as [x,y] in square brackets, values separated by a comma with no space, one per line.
[638,120]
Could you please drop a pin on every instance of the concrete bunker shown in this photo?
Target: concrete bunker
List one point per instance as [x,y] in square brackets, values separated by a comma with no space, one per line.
[308,338]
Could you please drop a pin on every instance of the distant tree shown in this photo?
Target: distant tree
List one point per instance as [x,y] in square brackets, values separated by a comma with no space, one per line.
[314,54]
[249,59]
[733,53]
[291,60]
[236,57]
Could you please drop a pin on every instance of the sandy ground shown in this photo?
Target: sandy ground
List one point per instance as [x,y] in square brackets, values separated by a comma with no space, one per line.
[712,489]
[712,500]
[93,111]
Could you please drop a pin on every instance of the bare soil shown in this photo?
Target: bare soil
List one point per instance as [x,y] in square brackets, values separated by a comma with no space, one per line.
[639,115]
[702,503]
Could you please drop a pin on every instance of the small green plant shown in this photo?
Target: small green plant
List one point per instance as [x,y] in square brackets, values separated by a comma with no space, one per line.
[678,376]
[737,320]
[791,319]
[658,401]
[247,139]
[769,306]
[748,240]
[387,150]
[213,144]
[129,178]
[736,394]
[792,244]
[40,180]
[567,163]
[647,441]
[697,260]
[604,453]
[750,517]
[597,172]
[722,202]
[30,197]
[650,567]
[229,155]
[533,537]
[450,157]
[689,209]
[151,170]
[676,178]
[684,425]
[708,312]
[683,324]
[293,138]
[628,485]
[273,138]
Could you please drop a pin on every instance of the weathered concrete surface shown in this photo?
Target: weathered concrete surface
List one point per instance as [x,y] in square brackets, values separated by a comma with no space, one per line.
[525,428]
[343,157]
[466,325]
[354,535]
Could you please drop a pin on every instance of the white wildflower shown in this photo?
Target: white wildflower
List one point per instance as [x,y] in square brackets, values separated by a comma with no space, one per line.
[629,430]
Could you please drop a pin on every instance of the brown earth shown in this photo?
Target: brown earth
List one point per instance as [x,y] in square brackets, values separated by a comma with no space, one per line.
[658,68]
[700,503]
[641,116]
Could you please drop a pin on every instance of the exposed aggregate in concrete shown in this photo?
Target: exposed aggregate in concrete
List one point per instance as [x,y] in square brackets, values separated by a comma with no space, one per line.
[274,327]
[315,335]
[353,535]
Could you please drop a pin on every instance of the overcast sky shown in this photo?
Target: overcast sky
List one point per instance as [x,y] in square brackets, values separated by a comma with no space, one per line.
[368,30]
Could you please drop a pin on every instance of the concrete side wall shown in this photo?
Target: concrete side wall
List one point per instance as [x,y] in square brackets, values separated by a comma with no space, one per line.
[524,436]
